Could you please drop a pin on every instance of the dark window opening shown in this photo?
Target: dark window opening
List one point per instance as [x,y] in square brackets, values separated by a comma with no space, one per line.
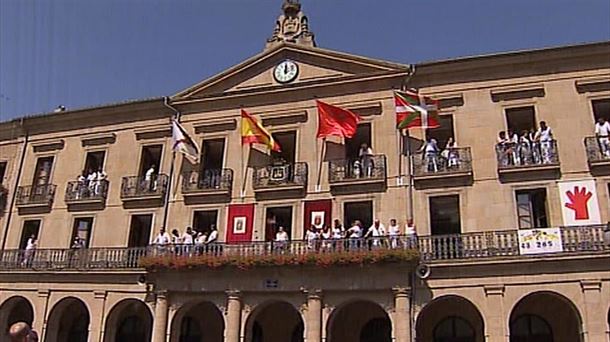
[278,217]
[362,136]
[212,154]
[526,328]
[42,173]
[444,132]
[151,156]
[30,228]
[445,215]
[204,220]
[531,208]
[82,228]
[2,171]
[287,142]
[454,329]
[601,109]
[139,231]
[94,161]
[361,211]
[521,119]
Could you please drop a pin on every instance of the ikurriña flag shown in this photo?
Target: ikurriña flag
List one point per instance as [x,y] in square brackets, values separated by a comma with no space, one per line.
[336,121]
[253,132]
[182,142]
[415,110]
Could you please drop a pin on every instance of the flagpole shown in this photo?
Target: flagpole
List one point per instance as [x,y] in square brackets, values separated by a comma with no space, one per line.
[410,177]
[400,156]
[322,151]
[244,172]
[171,169]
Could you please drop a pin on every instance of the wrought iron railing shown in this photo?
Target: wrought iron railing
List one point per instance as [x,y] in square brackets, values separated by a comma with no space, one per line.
[280,175]
[435,248]
[36,194]
[366,168]
[454,160]
[527,154]
[81,191]
[598,149]
[141,186]
[210,179]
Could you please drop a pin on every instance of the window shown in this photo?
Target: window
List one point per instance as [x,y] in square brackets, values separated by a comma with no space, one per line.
[82,229]
[212,154]
[521,119]
[445,215]
[287,141]
[204,220]
[362,136]
[30,228]
[42,173]
[453,329]
[601,109]
[530,328]
[139,231]
[94,161]
[151,156]
[2,171]
[362,211]
[531,208]
[276,217]
[444,132]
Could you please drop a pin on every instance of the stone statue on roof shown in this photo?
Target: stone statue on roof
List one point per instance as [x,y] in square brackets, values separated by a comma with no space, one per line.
[291,26]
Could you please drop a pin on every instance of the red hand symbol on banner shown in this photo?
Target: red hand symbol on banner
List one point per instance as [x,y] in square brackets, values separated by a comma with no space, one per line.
[578,202]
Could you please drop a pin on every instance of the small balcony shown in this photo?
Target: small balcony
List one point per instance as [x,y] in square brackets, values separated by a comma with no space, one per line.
[528,161]
[35,198]
[598,155]
[140,191]
[207,186]
[82,196]
[282,180]
[358,175]
[453,167]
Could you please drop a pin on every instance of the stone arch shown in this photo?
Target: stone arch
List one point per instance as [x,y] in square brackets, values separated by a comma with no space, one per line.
[130,320]
[359,320]
[13,310]
[68,321]
[198,321]
[546,307]
[450,318]
[262,323]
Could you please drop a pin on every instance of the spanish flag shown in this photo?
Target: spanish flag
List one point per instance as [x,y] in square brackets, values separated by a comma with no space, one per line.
[252,132]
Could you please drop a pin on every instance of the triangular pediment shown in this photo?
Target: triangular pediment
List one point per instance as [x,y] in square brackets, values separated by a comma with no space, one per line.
[314,65]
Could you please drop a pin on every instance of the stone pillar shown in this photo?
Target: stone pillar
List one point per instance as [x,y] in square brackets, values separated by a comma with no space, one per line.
[495,317]
[97,314]
[402,318]
[233,328]
[40,313]
[314,316]
[160,322]
[594,325]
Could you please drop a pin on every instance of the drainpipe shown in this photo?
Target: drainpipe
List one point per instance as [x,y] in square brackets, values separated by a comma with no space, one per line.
[171,169]
[15,185]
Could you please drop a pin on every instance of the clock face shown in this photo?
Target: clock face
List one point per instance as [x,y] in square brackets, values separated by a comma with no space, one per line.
[286,71]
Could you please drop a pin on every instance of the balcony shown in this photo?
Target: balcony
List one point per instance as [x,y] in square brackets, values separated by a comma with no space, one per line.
[278,181]
[81,196]
[347,176]
[524,162]
[598,156]
[207,186]
[450,168]
[137,191]
[35,198]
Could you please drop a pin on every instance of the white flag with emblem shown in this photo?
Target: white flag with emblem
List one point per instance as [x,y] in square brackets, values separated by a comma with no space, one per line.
[181,142]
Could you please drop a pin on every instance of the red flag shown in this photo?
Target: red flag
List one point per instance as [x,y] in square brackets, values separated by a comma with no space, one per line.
[336,121]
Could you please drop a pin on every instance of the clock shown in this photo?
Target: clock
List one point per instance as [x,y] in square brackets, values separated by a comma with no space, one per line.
[286,71]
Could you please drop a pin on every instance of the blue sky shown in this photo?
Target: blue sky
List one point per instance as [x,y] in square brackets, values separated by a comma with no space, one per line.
[83,53]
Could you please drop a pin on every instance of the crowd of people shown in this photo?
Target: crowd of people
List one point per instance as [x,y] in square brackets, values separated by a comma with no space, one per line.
[436,159]
[90,183]
[191,241]
[526,148]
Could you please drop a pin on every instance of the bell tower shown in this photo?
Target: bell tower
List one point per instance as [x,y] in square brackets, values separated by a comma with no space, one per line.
[291,26]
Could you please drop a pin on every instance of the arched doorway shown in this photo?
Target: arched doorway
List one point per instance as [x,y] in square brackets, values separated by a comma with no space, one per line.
[545,317]
[274,321]
[129,321]
[359,321]
[197,322]
[450,319]
[68,321]
[13,310]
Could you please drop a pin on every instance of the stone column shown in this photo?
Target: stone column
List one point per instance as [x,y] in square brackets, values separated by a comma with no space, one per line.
[496,318]
[402,319]
[314,316]
[40,313]
[97,308]
[594,325]
[233,329]
[160,321]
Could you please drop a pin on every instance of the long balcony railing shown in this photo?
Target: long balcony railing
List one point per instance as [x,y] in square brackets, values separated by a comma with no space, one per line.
[368,168]
[207,180]
[36,195]
[435,248]
[598,149]
[281,175]
[450,161]
[140,186]
[527,154]
[83,192]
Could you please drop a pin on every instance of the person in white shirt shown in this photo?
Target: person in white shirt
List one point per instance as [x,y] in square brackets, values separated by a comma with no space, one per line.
[544,135]
[375,231]
[366,159]
[411,233]
[281,239]
[91,181]
[394,233]
[451,154]
[213,235]
[430,153]
[81,187]
[512,143]
[355,234]
[326,236]
[150,179]
[503,148]
[602,132]
[187,240]
[162,238]
[101,176]
[312,237]
[30,249]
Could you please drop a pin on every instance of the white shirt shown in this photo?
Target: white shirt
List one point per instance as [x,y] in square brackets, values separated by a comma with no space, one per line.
[213,236]
[31,244]
[431,147]
[187,238]
[162,239]
[410,229]
[545,135]
[149,174]
[281,236]
[101,175]
[337,232]
[365,152]
[355,232]
[376,231]
[326,234]
[201,239]
[394,230]
[311,236]
[602,130]
[92,176]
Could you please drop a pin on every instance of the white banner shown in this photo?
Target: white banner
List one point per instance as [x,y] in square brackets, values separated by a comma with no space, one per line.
[540,241]
[579,204]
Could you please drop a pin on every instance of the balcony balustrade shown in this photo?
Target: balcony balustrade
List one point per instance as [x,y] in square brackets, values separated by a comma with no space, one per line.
[358,174]
[451,167]
[280,180]
[528,161]
[210,185]
[36,196]
[492,245]
[79,193]
[138,188]
[598,155]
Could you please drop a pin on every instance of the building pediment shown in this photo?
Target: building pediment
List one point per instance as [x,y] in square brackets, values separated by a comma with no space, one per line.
[315,66]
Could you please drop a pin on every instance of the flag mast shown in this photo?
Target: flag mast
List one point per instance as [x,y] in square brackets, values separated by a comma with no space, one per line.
[409,163]
[320,162]
[171,168]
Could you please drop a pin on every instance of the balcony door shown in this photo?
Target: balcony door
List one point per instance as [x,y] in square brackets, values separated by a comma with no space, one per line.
[287,141]
[276,217]
[30,228]
[203,220]
[139,230]
[362,211]
[82,228]
[531,208]
[212,154]
[444,132]
[151,156]
[42,173]
[94,161]
[362,136]
[445,215]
